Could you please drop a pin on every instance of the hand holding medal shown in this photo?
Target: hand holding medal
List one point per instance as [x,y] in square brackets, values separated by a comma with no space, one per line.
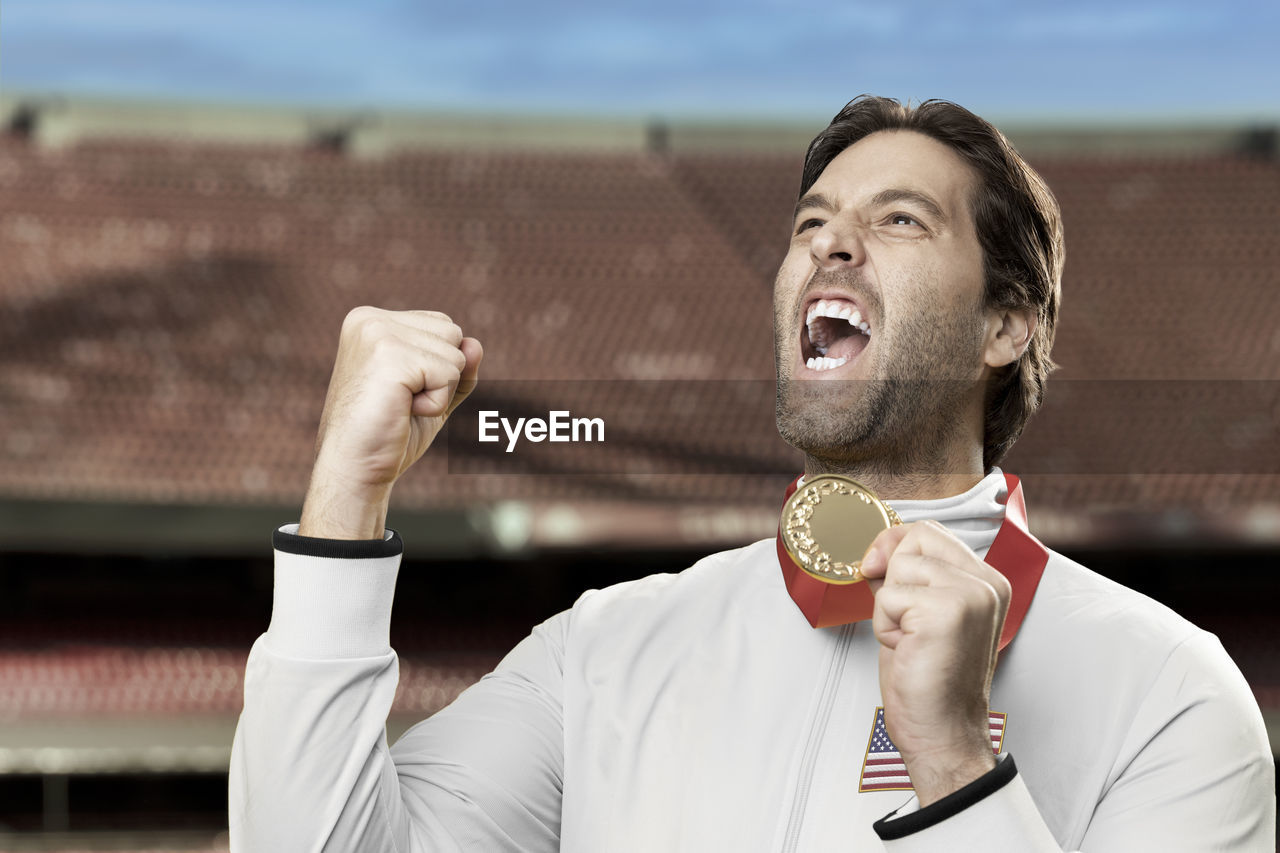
[938,615]
[936,608]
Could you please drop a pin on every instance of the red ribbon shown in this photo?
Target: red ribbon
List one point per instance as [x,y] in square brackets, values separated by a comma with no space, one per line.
[1015,553]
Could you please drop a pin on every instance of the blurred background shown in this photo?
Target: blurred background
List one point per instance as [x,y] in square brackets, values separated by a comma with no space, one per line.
[192,196]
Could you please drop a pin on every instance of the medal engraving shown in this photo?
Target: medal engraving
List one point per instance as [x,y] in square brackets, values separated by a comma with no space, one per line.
[828,524]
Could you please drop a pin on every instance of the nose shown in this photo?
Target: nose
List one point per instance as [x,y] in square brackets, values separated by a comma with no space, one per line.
[836,245]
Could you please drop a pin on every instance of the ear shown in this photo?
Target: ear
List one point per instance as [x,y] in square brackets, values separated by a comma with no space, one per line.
[1008,335]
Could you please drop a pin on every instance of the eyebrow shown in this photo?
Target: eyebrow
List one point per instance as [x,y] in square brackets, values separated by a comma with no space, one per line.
[887,196]
[819,200]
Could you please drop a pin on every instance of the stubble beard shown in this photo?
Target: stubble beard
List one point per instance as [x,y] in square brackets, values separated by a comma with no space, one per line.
[901,421]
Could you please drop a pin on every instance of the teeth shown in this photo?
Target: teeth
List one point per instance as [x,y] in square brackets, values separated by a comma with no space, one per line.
[835,311]
[824,363]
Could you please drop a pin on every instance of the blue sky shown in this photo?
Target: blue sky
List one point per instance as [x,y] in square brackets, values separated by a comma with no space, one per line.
[751,59]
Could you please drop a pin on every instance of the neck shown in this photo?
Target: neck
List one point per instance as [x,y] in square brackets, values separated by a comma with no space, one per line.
[901,485]
[941,457]
[920,470]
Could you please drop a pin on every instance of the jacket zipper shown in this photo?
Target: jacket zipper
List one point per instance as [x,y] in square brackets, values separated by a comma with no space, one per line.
[813,743]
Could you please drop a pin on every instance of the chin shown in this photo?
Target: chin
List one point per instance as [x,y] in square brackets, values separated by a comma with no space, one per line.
[808,421]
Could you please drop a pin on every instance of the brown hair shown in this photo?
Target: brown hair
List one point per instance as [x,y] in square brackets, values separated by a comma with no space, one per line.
[1019,228]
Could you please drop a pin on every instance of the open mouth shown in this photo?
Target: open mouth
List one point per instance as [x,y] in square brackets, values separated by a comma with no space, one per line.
[833,334]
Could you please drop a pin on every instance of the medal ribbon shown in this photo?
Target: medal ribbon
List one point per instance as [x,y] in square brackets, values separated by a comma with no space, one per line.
[1015,553]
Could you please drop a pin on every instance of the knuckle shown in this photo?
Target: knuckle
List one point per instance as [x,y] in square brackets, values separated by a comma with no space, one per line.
[938,527]
[358,316]
[935,528]
[450,333]
[1003,588]
[381,345]
[988,596]
[368,327]
[374,331]
[444,368]
[917,530]
[449,368]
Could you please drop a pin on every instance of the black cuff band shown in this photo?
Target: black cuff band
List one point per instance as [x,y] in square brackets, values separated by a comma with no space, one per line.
[343,549]
[950,805]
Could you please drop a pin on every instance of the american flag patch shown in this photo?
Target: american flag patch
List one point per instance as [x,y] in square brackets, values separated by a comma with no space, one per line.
[882,766]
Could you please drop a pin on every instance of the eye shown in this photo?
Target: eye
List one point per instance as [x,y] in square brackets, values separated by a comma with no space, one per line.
[903,219]
[807,224]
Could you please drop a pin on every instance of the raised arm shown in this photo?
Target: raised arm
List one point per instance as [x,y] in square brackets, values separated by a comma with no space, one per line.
[311,768]
[397,377]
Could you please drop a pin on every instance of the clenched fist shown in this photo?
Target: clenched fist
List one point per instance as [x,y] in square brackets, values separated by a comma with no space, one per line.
[397,377]
[938,615]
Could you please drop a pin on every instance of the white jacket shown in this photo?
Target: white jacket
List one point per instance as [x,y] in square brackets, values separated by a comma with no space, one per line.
[701,712]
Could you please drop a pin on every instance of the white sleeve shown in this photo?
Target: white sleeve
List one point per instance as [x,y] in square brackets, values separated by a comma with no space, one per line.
[1195,774]
[310,767]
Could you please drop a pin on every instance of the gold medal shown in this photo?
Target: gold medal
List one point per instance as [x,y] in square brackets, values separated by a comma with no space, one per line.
[828,524]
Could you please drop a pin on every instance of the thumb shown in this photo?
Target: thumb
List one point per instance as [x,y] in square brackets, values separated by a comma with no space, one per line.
[875,562]
[474,354]
[440,402]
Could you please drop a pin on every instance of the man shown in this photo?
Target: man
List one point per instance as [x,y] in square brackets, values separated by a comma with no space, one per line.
[914,314]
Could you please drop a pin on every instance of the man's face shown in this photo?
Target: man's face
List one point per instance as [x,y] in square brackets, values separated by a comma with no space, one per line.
[884,239]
